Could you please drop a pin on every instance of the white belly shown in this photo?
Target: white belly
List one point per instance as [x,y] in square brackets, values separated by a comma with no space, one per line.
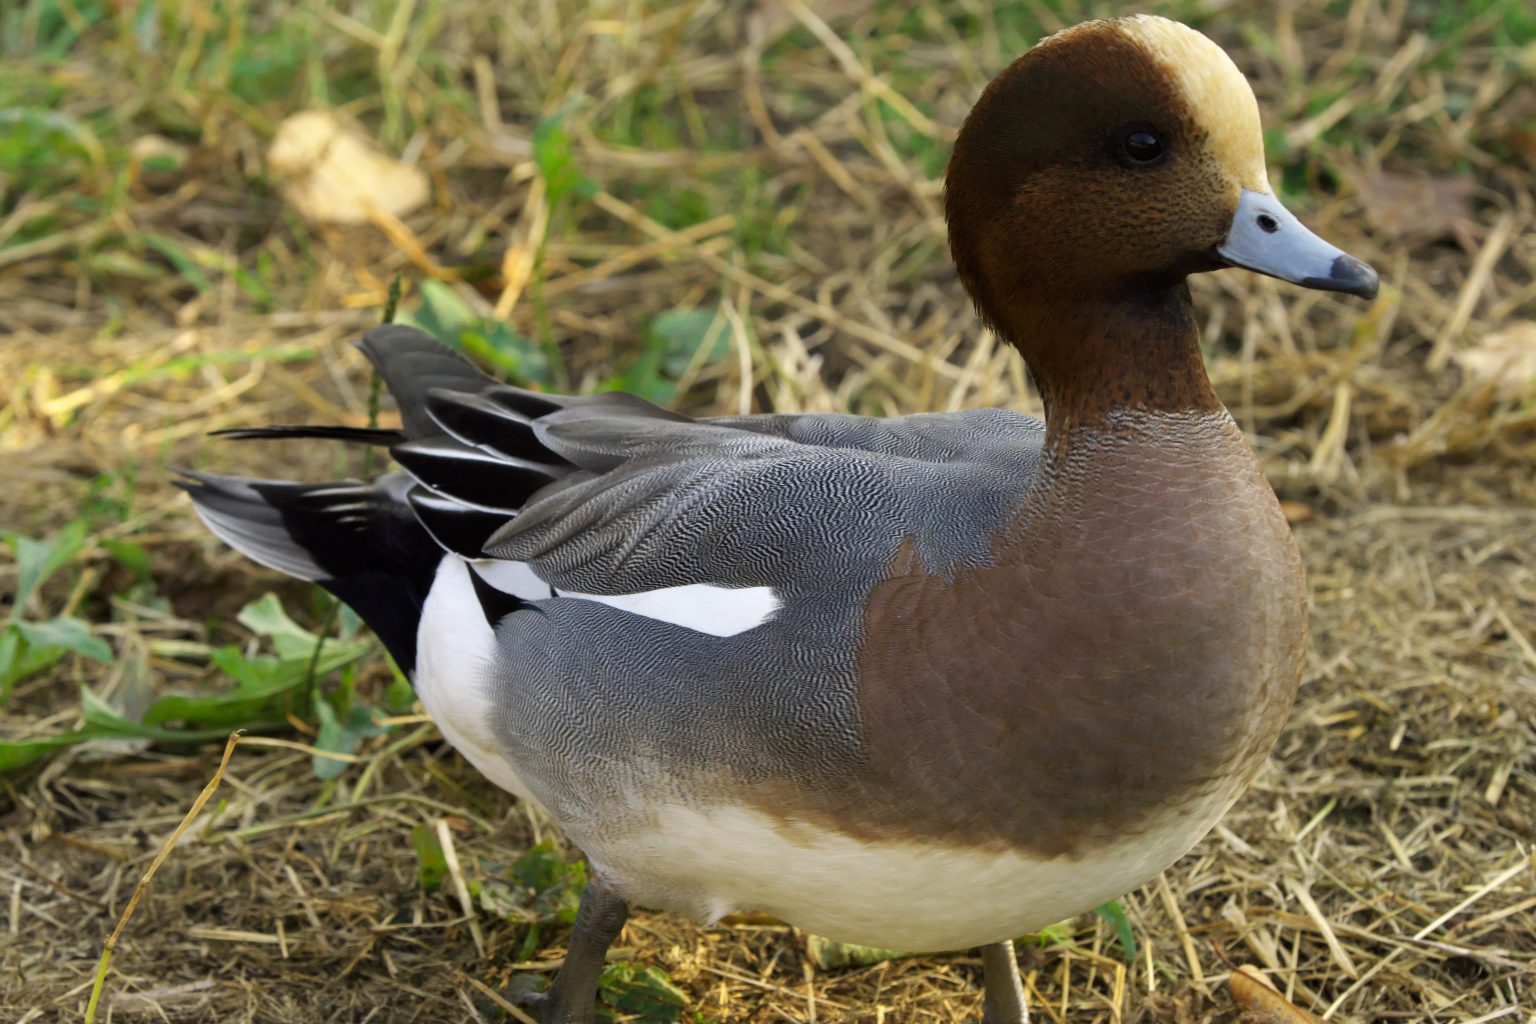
[907,896]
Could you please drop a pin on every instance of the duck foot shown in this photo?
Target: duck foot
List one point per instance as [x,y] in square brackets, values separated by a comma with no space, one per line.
[1003,992]
[572,997]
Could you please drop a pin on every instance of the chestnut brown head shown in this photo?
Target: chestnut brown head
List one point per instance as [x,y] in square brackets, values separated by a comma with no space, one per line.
[1116,158]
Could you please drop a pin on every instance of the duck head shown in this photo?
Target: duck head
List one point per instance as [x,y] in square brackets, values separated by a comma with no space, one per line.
[1101,169]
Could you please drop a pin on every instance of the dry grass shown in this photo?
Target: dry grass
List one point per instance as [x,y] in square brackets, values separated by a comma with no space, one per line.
[758,159]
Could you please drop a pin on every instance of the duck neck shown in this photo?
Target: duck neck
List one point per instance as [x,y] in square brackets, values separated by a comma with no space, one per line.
[1136,353]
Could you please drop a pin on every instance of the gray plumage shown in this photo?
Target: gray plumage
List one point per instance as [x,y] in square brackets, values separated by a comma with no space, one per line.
[813,506]
[591,703]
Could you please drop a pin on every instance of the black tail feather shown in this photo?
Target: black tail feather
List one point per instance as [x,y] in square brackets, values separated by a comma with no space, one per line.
[476,420]
[470,446]
[456,526]
[359,541]
[356,435]
[472,475]
[412,363]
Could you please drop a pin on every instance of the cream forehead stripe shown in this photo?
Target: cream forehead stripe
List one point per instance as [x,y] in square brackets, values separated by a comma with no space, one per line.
[1216,90]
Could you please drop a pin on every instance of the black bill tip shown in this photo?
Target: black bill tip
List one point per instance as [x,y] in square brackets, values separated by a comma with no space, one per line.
[1347,275]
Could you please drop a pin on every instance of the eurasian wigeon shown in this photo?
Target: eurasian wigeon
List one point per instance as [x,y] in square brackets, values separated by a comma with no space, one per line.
[929,682]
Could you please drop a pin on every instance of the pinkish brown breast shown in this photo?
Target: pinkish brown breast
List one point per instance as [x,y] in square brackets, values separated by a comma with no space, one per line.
[1129,658]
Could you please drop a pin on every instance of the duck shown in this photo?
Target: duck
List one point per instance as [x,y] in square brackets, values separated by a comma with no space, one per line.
[928,682]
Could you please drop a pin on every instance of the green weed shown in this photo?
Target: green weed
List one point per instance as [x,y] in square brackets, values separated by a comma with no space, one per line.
[443,314]
[539,888]
[431,862]
[1060,934]
[676,341]
[31,645]
[1115,914]
[266,686]
[643,994]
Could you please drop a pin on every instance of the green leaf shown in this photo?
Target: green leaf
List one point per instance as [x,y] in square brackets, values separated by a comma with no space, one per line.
[502,899]
[646,992]
[254,673]
[553,884]
[644,379]
[542,888]
[254,702]
[539,867]
[679,209]
[184,262]
[1114,913]
[130,556]
[64,634]
[27,648]
[1051,935]
[556,162]
[431,863]
[19,659]
[348,622]
[511,353]
[19,753]
[828,955]
[104,721]
[37,560]
[685,335]
[261,679]
[11,649]
[443,314]
[341,735]
[266,617]
[44,148]
[675,340]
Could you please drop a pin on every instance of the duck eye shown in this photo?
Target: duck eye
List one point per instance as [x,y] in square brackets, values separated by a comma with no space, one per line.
[1143,147]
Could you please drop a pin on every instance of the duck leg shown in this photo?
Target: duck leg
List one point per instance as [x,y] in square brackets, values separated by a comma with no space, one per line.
[572,998]
[1003,993]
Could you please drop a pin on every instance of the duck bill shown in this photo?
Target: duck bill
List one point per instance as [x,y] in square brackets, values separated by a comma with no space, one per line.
[1268,238]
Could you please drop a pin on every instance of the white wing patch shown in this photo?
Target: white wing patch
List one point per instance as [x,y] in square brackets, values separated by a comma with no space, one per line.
[515,578]
[718,611]
[703,607]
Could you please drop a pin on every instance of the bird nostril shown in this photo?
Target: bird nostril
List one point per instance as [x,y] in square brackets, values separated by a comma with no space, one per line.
[1268,224]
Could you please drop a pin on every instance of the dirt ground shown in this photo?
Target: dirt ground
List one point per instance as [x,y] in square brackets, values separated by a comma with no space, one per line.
[780,164]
